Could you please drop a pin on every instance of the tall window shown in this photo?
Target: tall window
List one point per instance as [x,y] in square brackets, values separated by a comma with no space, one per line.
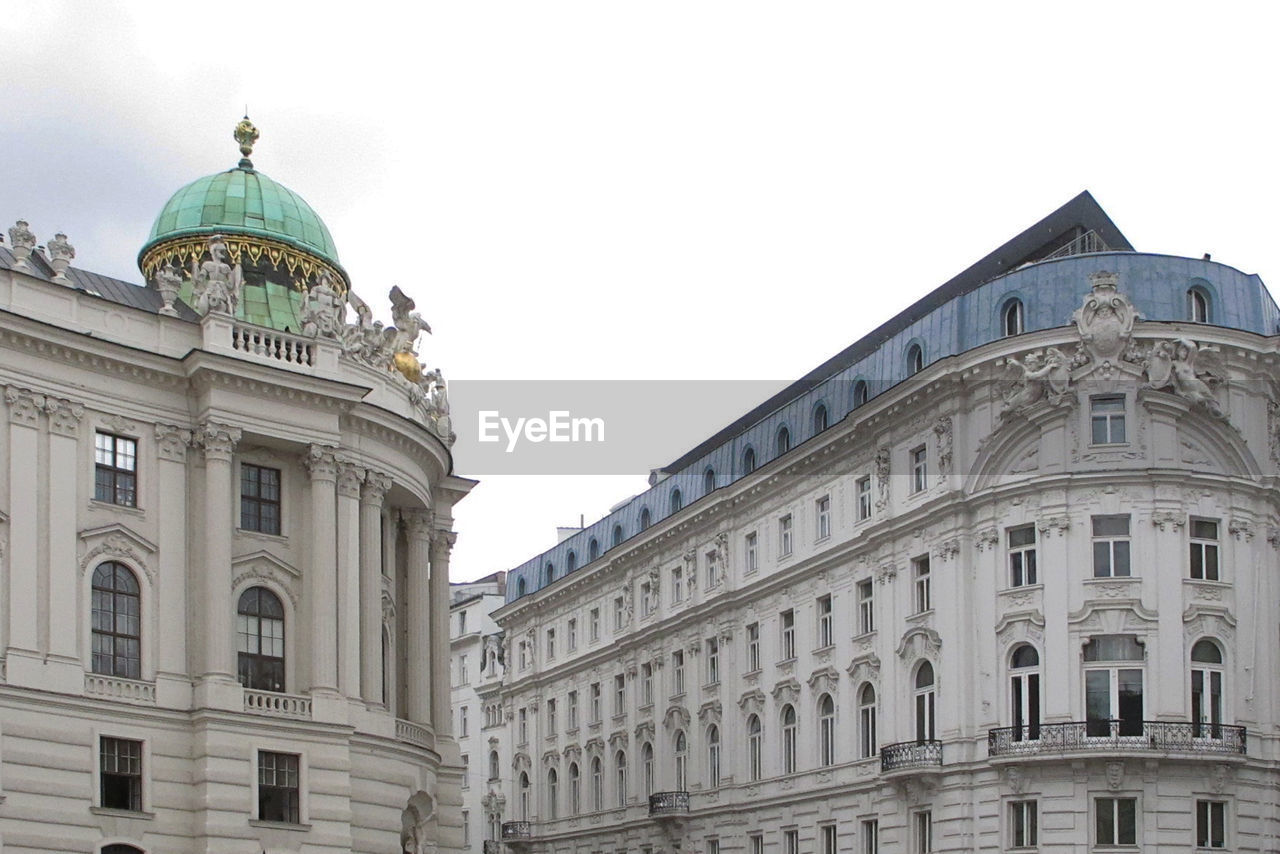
[861,394]
[524,796]
[115,470]
[753,647]
[828,839]
[551,645]
[863,487]
[571,635]
[1023,821]
[570,562]
[593,625]
[1204,549]
[919,468]
[1211,824]
[750,553]
[923,826]
[677,585]
[645,518]
[1115,821]
[867,743]
[682,761]
[551,716]
[1024,692]
[548,573]
[278,787]
[646,684]
[522,728]
[619,613]
[1197,305]
[260,640]
[1106,414]
[1022,556]
[866,606]
[822,515]
[617,535]
[572,712]
[646,757]
[748,460]
[620,777]
[790,842]
[826,633]
[755,747]
[597,783]
[495,768]
[595,702]
[593,549]
[915,359]
[1012,318]
[820,418]
[826,730]
[781,441]
[1206,689]
[259,499]
[1110,546]
[619,694]
[788,739]
[784,536]
[713,756]
[924,584]
[677,671]
[708,482]
[677,500]
[870,836]
[1113,687]
[120,774]
[117,622]
[553,792]
[463,722]
[924,704]
[713,660]
[713,570]
[787,620]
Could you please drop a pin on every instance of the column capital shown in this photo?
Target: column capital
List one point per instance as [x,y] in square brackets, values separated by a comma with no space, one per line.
[25,405]
[172,441]
[64,416]
[321,461]
[442,544]
[350,478]
[376,485]
[418,523]
[218,441]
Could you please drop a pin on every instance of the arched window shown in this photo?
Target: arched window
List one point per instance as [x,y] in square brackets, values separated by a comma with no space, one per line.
[754,747]
[1024,692]
[645,518]
[575,789]
[553,791]
[1206,689]
[120,848]
[748,460]
[522,586]
[915,359]
[617,535]
[819,418]
[260,640]
[713,756]
[867,743]
[677,500]
[593,549]
[117,622]
[826,730]
[646,757]
[495,772]
[682,762]
[1012,321]
[708,481]
[597,783]
[924,704]
[548,574]
[524,796]
[570,562]
[1198,305]
[861,394]
[620,767]
[789,729]
[781,441]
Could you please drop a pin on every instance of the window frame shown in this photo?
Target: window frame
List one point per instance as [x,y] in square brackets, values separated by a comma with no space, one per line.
[259,657]
[1204,824]
[750,552]
[1103,421]
[135,782]
[753,647]
[131,664]
[114,472]
[299,816]
[786,527]
[1207,549]
[862,488]
[1112,542]
[918,464]
[1013,310]
[1023,569]
[822,518]
[787,634]
[1023,823]
[790,734]
[922,584]
[256,522]
[823,606]
[866,605]
[868,721]
[1116,829]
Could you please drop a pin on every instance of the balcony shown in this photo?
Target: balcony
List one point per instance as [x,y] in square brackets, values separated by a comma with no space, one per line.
[910,756]
[1113,737]
[277,705]
[668,804]
[517,831]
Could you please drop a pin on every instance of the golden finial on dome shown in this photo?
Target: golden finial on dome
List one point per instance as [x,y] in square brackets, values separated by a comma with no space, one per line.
[246,134]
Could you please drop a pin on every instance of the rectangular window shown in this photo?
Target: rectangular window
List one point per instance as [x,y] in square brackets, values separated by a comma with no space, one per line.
[115,470]
[750,553]
[923,827]
[924,586]
[278,787]
[1107,419]
[260,504]
[753,647]
[713,660]
[713,846]
[1211,817]
[677,671]
[757,844]
[863,487]
[713,570]
[646,599]
[826,632]
[784,536]
[462,721]
[787,620]
[1110,546]
[866,606]
[524,655]
[551,644]
[1204,549]
[790,842]
[551,716]
[1022,556]
[120,774]
[619,694]
[595,702]
[464,676]
[919,469]
[462,619]
[822,513]
[871,836]
[646,684]
[1023,829]
[466,774]
[572,639]
[677,585]
[619,609]
[828,839]
[522,718]
[466,824]
[1115,821]
[593,625]
[573,710]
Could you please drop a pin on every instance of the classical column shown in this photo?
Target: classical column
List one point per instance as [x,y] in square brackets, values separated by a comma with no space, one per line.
[418,613]
[371,496]
[441,699]
[24,523]
[171,545]
[218,441]
[350,478]
[322,579]
[60,545]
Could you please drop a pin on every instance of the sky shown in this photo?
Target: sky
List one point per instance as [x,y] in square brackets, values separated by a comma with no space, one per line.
[648,191]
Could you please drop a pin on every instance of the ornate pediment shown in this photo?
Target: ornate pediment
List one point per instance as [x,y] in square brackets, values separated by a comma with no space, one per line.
[1214,621]
[1112,617]
[644,731]
[117,542]
[920,641]
[786,691]
[752,702]
[709,713]
[677,717]
[1026,626]
[521,762]
[572,753]
[824,680]
[264,566]
[595,746]
[618,740]
[551,759]
[865,668]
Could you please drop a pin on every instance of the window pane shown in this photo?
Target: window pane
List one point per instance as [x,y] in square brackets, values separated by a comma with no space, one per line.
[1126,821]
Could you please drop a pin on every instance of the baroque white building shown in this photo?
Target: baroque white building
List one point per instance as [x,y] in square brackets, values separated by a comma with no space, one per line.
[1001,576]
[225,526]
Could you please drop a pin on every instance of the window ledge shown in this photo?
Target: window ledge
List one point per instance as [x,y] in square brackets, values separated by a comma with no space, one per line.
[620,717]
[278,825]
[263,535]
[1026,588]
[920,615]
[115,813]
[864,635]
[824,648]
[785,661]
[110,505]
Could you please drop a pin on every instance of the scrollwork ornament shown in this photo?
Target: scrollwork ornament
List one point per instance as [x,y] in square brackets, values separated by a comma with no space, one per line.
[375,488]
[218,441]
[321,462]
[350,479]
[172,441]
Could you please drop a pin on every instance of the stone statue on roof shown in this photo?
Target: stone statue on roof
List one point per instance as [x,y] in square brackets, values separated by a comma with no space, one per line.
[215,283]
[322,309]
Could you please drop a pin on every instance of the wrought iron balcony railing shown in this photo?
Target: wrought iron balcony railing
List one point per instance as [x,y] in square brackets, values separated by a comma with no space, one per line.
[1110,736]
[668,804]
[910,754]
[517,831]
[492,846]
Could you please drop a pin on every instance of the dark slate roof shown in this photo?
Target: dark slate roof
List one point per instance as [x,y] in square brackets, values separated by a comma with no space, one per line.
[112,290]
[1080,215]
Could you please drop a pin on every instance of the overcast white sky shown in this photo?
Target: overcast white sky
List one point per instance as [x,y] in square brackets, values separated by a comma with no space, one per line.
[590,190]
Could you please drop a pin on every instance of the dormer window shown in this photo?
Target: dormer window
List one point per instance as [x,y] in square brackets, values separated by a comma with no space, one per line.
[1012,319]
[915,359]
[1197,305]
[782,441]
